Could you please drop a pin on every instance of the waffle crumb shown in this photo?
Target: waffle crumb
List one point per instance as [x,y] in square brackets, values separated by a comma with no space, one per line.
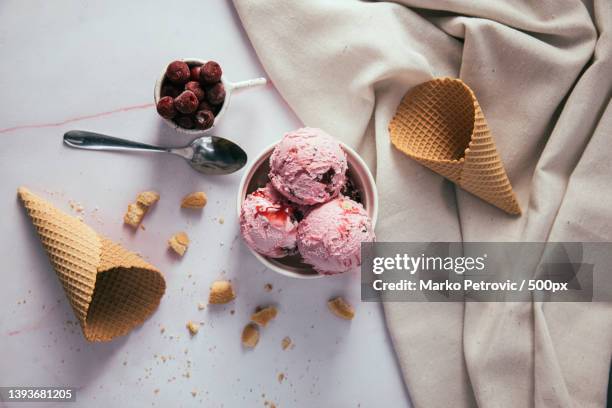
[179,242]
[264,315]
[193,328]
[250,335]
[147,198]
[280,377]
[341,308]
[76,206]
[268,287]
[195,200]
[134,214]
[136,211]
[286,343]
[221,292]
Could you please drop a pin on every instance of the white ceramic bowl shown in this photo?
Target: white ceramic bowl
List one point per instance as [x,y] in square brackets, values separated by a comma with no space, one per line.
[227,84]
[256,175]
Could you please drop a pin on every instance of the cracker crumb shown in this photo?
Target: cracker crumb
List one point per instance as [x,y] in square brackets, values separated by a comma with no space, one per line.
[250,335]
[268,287]
[194,393]
[179,242]
[221,220]
[341,308]
[286,343]
[201,306]
[195,200]
[156,391]
[221,292]
[281,377]
[193,328]
[264,315]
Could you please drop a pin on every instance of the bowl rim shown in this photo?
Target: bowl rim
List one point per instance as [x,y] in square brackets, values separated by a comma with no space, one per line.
[261,157]
[157,95]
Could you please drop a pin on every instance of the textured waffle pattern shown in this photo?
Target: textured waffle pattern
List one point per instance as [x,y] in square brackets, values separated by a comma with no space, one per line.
[73,249]
[128,290]
[441,125]
[111,290]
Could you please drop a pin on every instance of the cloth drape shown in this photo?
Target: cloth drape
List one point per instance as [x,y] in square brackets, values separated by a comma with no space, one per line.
[542,72]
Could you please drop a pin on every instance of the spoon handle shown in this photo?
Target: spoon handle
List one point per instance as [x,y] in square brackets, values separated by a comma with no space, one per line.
[81,139]
[249,83]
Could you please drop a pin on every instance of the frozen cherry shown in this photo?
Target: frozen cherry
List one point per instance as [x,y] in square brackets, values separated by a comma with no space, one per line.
[169,90]
[210,73]
[204,119]
[216,94]
[195,73]
[178,72]
[165,107]
[186,122]
[195,87]
[204,105]
[186,102]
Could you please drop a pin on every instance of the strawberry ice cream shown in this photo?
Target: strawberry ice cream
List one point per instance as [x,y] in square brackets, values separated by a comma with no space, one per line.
[268,224]
[308,166]
[329,237]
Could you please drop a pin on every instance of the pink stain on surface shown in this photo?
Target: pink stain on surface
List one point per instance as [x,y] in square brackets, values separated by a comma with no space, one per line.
[78,118]
[39,324]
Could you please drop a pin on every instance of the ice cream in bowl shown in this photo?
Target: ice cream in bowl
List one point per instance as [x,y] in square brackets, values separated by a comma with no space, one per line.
[306,204]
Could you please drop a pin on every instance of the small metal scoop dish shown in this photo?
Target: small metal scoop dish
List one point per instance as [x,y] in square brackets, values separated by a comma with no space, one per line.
[206,154]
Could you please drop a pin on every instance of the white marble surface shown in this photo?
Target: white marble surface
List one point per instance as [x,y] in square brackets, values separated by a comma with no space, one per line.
[92,65]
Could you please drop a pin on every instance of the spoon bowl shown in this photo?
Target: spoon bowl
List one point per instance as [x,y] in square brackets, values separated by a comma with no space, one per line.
[215,155]
[211,155]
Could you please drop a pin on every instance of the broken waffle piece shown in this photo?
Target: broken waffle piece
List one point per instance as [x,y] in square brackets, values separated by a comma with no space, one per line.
[341,308]
[250,335]
[221,292]
[136,211]
[179,243]
[286,343]
[195,200]
[134,214]
[264,315]
[193,328]
[147,198]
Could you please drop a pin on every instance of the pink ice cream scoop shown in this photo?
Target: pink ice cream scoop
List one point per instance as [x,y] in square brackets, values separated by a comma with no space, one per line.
[268,224]
[308,166]
[329,237]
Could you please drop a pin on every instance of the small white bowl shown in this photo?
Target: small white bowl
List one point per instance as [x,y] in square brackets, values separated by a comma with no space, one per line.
[256,175]
[227,84]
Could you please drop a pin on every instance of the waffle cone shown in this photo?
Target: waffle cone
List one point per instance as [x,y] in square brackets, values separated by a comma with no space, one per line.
[110,289]
[441,125]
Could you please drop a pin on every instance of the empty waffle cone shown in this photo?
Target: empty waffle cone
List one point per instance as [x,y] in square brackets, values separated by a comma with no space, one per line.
[441,125]
[110,289]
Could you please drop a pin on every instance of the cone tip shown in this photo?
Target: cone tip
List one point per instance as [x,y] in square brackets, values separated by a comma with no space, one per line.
[23,191]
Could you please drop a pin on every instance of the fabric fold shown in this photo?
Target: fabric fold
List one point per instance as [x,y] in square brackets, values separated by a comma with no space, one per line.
[541,72]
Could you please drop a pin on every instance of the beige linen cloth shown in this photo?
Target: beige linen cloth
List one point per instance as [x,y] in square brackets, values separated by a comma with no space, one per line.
[542,72]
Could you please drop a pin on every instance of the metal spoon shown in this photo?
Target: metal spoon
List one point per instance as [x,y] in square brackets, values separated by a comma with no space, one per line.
[206,154]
